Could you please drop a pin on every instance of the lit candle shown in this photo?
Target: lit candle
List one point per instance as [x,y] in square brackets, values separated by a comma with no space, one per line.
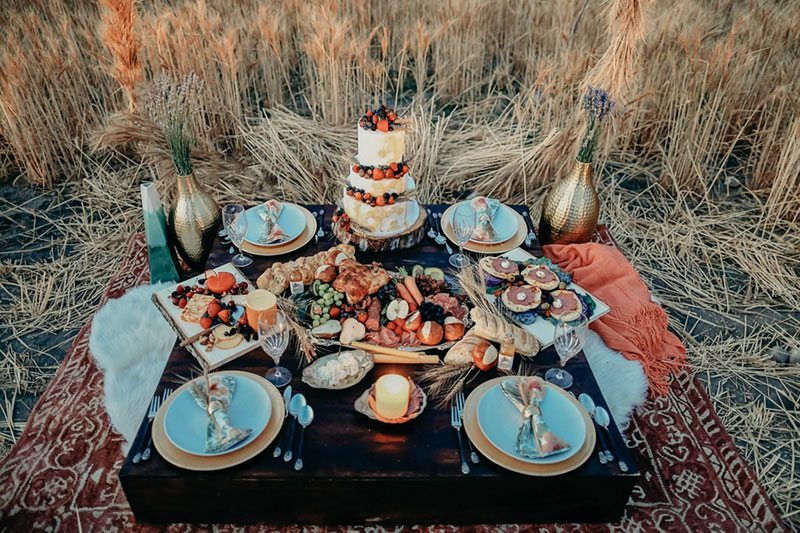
[260,301]
[391,396]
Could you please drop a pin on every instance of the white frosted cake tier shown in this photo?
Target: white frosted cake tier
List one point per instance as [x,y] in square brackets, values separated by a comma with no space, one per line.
[381,220]
[377,148]
[379,187]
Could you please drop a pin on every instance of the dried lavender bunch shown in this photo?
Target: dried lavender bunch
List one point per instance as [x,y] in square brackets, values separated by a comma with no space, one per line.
[170,105]
[598,105]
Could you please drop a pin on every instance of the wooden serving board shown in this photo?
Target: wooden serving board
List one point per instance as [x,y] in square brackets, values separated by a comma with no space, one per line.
[365,242]
[172,314]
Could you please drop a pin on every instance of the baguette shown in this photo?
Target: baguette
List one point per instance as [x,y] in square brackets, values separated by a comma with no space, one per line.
[495,329]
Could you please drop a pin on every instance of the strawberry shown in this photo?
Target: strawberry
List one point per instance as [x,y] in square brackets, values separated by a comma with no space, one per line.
[405,169]
[214,309]
[356,168]
[391,115]
[359,196]
[389,174]
[394,167]
[391,200]
[380,201]
[374,119]
[361,317]
[378,174]
[369,113]
[205,322]
[383,125]
[225,315]
[182,303]
[335,312]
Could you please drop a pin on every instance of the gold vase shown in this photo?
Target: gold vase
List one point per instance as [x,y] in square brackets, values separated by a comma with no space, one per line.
[194,218]
[571,208]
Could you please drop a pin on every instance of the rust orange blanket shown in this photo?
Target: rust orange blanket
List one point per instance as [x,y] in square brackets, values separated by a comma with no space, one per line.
[636,326]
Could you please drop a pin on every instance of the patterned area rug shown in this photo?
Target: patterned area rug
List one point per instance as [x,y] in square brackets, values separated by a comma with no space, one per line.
[62,474]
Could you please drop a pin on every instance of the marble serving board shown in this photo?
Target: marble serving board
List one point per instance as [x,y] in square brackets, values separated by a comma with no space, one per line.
[543,329]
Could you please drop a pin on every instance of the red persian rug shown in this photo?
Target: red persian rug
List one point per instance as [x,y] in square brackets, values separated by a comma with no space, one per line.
[62,474]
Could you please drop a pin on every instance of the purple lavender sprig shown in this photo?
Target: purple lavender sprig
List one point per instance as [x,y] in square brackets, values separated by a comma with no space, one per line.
[170,104]
[598,105]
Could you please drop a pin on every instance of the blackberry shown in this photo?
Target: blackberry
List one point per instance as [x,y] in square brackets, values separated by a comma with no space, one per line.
[387,293]
[431,311]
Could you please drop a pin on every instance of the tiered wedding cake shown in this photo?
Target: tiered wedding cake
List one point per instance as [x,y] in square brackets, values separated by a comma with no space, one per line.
[377,199]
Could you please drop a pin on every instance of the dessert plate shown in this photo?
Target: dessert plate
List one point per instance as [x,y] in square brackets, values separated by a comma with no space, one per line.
[189,461]
[483,247]
[505,223]
[292,221]
[285,247]
[499,421]
[185,423]
[492,453]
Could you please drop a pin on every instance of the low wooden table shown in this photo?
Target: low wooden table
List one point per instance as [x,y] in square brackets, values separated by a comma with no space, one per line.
[360,471]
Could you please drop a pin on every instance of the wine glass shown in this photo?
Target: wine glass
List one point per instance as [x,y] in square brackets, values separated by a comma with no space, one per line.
[464,220]
[273,334]
[235,221]
[568,339]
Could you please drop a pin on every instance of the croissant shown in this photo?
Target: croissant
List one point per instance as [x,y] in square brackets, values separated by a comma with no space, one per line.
[493,328]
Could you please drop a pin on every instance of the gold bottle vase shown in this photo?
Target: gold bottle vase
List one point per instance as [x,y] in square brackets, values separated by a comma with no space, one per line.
[194,219]
[571,208]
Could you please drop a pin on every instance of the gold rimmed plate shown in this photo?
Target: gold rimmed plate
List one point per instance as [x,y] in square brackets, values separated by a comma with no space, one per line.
[180,458]
[497,456]
[485,248]
[287,247]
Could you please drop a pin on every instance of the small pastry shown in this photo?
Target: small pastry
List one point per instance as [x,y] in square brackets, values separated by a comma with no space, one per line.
[484,355]
[430,333]
[540,276]
[565,306]
[453,328]
[521,298]
[499,268]
[326,273]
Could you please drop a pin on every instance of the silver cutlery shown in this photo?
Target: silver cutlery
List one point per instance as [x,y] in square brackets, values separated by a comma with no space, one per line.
[455,421]
[604,455]
[460,402]
[155,404]
[531,236]
[305,418]
[440,239]
[320,216]
[295,406]
[287,397]
[602,418]
[431,231]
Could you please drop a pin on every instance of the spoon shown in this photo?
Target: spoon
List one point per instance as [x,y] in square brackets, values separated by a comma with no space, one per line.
[295,406]
[603,419]
[588,403]
[287,397]
[305,418]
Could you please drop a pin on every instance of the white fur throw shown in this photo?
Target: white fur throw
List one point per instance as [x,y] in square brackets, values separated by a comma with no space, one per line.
[131,342]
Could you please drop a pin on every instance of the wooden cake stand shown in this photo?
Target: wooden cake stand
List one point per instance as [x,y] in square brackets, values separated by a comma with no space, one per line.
[366,242]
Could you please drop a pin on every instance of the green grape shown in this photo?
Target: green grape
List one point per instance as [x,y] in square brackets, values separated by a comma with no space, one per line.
[326,317]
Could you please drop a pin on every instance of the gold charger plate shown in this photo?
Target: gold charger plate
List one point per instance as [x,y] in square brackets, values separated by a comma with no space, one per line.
[291,246]
[508,462]
[179,458]
[482,248]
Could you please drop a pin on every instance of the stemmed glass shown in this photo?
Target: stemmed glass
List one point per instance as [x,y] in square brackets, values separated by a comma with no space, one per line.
[235,221]
[464,220]
[568,340]
[273,334]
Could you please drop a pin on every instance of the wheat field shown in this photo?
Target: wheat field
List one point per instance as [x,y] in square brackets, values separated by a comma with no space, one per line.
[699,173]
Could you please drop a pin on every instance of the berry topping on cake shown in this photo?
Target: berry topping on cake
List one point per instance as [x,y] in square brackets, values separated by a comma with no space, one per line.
[381,119]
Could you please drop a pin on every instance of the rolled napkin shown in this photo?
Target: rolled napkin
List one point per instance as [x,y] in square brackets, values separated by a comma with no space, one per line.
[271,232]
[214,396]
[485,209]
[534,438]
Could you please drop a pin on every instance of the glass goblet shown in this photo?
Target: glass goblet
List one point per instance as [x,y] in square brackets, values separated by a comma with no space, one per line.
[234,219]
[568,340]
[273,334]
[463,221]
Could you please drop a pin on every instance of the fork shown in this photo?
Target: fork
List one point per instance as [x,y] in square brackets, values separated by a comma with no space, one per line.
[455,421]
[460,403]
[531,236]
[151,415]
[440,239]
